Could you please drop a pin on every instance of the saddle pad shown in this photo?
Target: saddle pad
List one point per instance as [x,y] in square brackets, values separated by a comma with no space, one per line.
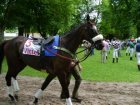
[31,49]
[49,50]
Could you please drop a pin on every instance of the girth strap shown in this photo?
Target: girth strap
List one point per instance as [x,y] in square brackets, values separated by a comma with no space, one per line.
[65,50]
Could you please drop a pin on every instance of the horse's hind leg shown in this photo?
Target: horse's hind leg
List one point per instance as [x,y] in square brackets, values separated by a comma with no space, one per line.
[39,93]
[12,84]
[10,90]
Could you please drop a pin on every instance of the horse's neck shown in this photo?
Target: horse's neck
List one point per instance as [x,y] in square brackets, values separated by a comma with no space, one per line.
[72,41]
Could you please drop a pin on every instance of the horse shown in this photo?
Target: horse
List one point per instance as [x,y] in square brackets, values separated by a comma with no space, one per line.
[59,66]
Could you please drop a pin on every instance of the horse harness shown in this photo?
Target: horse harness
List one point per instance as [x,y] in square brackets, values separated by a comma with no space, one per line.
[46,41]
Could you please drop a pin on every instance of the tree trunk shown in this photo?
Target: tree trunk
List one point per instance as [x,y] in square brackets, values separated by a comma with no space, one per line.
[20,31]
[1,34]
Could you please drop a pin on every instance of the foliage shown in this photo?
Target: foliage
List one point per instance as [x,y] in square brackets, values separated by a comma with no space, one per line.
[44,16]
[4,8]
[120,18]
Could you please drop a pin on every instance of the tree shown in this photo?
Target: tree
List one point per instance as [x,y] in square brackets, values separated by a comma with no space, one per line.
[45,16]
[4,9]
[117,18]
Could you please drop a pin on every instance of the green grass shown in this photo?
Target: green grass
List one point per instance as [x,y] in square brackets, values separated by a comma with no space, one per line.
[124,71]
[94,70]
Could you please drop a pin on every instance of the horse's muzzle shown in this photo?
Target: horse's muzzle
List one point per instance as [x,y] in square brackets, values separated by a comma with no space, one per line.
[98,45]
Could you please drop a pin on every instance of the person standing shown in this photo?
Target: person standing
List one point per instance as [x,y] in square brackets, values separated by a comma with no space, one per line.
[109,43]
[87,46]
[132,45]
[137,49]
[128,47]
[104,51]
[115,44]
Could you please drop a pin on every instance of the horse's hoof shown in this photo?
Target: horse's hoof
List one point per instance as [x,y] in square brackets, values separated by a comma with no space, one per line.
[74,99]
[16,97]
[13,102]
[13,99]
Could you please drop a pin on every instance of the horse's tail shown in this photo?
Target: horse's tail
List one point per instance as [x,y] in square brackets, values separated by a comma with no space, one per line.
[2,54]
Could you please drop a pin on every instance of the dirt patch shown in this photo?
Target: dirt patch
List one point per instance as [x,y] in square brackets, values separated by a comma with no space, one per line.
[92,93]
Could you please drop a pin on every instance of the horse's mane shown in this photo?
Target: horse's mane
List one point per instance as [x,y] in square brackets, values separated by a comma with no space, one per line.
[73,29]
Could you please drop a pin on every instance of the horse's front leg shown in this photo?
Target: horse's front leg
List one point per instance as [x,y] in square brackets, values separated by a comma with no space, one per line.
[39,93]
[78,80]
[64,81]
[62,95]
[76,75]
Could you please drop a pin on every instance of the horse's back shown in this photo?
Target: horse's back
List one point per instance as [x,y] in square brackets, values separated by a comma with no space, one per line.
[16,48]
[13,46]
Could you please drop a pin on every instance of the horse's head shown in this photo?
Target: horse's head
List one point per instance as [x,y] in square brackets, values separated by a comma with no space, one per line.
[92,34]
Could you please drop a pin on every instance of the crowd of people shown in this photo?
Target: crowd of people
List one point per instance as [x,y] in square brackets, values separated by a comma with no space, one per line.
[132,47]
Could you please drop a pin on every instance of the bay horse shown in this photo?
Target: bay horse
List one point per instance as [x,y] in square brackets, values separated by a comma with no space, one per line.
[59,66]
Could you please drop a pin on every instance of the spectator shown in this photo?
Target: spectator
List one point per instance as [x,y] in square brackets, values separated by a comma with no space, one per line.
[128,48]
[115,44]
[87,46]
[109,43]
[132,45]
[104,51]
[138,52]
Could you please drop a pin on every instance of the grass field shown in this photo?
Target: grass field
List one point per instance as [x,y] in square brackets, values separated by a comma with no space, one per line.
[124,71]
[94,70]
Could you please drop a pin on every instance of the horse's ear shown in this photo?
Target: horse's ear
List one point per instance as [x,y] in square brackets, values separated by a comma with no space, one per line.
[88,17]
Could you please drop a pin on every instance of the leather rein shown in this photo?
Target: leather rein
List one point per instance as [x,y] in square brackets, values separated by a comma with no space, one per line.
[74,56]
